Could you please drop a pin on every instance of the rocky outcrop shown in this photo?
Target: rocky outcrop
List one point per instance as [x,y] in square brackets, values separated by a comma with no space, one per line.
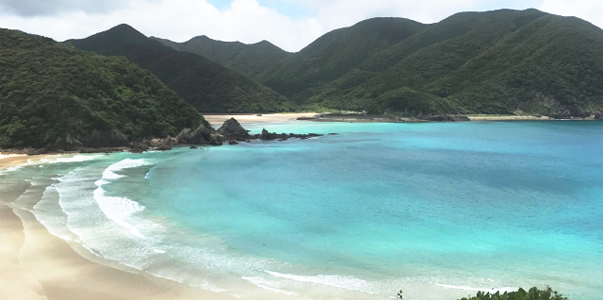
[232,130]
[599,116]
[448,118]
[112,141]
[199,136]
[216,140]
[271,136]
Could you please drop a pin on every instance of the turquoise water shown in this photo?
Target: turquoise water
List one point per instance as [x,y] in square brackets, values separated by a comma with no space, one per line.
[438,210]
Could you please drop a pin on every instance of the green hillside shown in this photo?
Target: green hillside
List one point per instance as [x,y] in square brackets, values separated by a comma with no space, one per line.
[333,55]
[496,62]
[248,60]
[51,91]
[493,62]
[207,86]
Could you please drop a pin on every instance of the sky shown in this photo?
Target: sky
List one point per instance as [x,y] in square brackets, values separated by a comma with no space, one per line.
[289,24]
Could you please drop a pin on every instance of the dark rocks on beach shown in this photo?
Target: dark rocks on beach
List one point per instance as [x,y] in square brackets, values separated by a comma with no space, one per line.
[194,147]
[233,142]
[561,115]
[307,118]
[231,129]
[138,147]
[448,118]
[599,116]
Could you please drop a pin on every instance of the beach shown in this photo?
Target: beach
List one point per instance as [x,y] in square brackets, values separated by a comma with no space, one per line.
[11,160]
[218,119]
[37,265]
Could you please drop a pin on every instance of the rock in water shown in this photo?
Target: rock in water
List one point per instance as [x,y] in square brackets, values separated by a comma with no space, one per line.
[232,130]
[216,140]
[201,135]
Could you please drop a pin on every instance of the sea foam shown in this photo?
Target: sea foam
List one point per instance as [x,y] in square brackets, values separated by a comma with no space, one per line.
[119,209]
[343,282]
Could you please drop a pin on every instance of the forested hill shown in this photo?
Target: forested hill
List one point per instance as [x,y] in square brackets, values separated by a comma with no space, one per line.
[52,94]
[501,61]
[207,86]
[249,60]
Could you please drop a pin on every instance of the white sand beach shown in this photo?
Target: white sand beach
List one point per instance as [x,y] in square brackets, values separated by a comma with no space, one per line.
[217,120]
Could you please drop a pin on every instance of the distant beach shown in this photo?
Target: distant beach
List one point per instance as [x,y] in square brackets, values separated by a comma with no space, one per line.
[218,119]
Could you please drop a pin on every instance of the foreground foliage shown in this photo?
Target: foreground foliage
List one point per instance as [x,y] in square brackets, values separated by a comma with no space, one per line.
[521,294]
[50,91]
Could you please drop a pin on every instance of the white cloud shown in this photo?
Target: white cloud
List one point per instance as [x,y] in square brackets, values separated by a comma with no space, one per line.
[338,13]
[179,20]
[589,10]
[250,22]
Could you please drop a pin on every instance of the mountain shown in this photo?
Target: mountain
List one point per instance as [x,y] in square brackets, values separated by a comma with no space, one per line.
[52,94]
[493,62]
[249,60]
[333,55]
[497,62]
[207,86]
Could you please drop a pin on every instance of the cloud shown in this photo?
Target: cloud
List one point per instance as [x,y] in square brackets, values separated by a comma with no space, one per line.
[178,20]
[248,21]
[243,20]
[31,8]
[337,13]
[589,10]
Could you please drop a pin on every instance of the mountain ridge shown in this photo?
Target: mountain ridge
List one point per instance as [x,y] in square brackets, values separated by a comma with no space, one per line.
[208,86]
[498,62]
[56,97]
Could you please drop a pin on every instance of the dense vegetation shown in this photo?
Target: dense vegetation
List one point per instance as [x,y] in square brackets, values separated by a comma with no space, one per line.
[249,60]
[521,294]
[207,86]
[51,91]
[497,62]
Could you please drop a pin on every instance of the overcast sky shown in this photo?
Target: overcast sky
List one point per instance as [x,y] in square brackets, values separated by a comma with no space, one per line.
[290,24]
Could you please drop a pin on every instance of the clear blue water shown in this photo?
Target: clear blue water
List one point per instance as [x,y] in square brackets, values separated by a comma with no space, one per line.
[438,210]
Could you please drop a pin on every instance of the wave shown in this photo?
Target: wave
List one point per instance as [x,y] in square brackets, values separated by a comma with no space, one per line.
[263,283]
[73,159]
[342,282]
[119,209]
[468,288]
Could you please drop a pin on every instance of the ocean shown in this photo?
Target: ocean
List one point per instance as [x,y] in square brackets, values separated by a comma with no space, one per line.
[437,210]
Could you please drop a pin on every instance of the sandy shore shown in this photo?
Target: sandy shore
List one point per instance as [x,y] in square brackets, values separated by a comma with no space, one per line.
[217,120]
[36,265]
[508,118]
[11,160]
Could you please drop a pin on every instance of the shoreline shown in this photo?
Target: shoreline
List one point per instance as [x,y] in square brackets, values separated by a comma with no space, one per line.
[218,119]
[357,118]
[14,157]
[37,265]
